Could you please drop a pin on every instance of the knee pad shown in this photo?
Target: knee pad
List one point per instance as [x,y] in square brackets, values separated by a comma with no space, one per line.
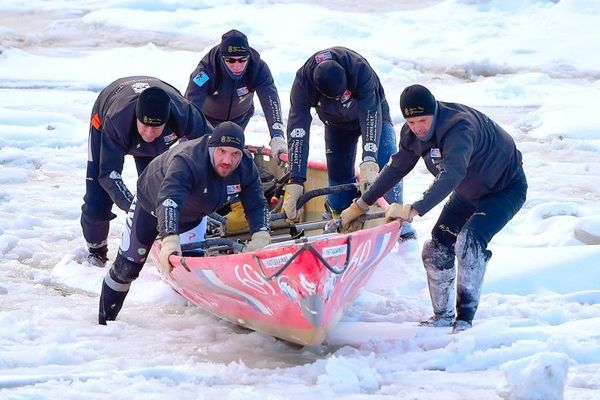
[437,256]
[125,271]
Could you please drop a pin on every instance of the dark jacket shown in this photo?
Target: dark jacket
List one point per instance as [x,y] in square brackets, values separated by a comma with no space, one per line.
[113,115]
[181,186]
[223,98]
[468,153]
[363,106]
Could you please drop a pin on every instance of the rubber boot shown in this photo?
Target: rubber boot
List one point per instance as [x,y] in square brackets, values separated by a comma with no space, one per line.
[472,262]
[438,261]
[98,255]
[111,302]
[113,294]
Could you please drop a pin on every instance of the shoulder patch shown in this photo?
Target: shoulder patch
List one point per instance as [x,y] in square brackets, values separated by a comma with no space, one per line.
[326,55]
[201,78]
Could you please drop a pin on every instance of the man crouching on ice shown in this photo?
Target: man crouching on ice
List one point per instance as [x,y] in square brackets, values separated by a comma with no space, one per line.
[478,165]
[175,191]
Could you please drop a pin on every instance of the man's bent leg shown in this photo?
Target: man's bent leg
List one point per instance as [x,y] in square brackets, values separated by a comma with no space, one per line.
[138,236]
[340,151]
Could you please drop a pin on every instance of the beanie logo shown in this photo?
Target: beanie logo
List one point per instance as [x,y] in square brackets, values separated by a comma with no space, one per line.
[151,121]
[232,49]
[228,140]
[326,55]
[410,111]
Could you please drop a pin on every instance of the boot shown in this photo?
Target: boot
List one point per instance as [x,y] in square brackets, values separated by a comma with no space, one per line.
[460,326]
[98,256]
[438,261]
[472,259]
[111,299]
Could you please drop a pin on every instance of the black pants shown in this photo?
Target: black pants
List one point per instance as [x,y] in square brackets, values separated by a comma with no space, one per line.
[484,217]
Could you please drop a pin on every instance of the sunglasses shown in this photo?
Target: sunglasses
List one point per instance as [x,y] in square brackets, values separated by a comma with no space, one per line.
[232,60]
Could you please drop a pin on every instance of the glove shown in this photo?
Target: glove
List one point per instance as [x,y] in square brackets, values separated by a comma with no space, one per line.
[169,245]
[349,216]
[403,212]
[236,220]
[369,171]
[278,145]
[293,191]
[259,240]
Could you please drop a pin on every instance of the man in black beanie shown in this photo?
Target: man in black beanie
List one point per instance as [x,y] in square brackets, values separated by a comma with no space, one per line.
[349,99]
[224,82]
[477,164]
[139,116]
[174,193]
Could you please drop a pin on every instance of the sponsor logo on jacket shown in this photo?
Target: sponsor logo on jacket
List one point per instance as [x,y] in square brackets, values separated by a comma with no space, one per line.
[298,133]
[326,55]
[201,78]
[233,189]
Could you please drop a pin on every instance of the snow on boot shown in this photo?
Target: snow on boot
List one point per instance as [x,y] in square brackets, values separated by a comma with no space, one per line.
[438,261]
[438,321]
[472,262]
[98,256]
[460,326]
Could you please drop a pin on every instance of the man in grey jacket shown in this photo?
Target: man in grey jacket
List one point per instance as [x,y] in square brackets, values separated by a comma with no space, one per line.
[475,162]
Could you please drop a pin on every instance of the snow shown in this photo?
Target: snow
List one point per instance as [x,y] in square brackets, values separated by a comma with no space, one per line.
[532,65]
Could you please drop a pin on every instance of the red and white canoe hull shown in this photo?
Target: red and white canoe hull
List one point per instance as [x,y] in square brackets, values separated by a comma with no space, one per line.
[299,300]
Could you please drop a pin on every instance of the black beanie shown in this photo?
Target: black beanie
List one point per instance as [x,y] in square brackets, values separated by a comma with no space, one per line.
[227,134]
[234,44]
[330,78]
[416,101]
[153,107]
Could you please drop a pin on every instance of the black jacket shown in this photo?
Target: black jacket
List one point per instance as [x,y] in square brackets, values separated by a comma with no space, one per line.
[181,186]
[223,98]
[468,153]
[113,115]
[363,106]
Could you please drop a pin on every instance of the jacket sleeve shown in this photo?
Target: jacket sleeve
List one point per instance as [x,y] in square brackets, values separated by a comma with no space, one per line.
[199,85]
[253,200]
[112,157]
[175,188]
[269,100]
[370,115]
[402,163]
[298,131]
[457,149]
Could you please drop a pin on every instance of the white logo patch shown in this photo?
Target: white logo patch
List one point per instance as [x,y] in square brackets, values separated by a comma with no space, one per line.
[169,203]
[370,147]
[139,87]
[114,175]
[298,133]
